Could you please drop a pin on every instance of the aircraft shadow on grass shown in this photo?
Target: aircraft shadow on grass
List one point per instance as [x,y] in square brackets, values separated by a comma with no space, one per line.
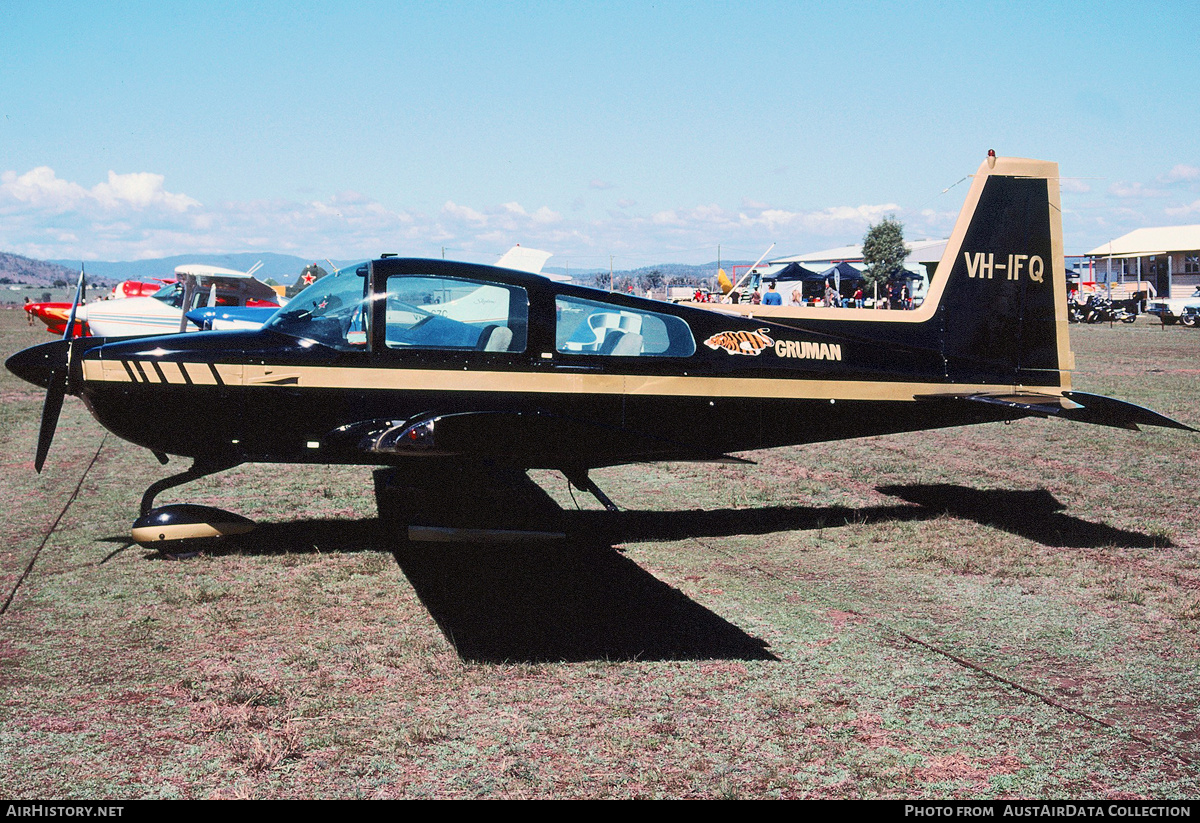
[1035,515]
[580,598]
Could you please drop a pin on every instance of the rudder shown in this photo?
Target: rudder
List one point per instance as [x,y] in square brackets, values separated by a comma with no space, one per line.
[1002,296]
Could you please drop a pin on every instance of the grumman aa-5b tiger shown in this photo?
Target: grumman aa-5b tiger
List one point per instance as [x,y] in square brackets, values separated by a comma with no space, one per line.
[448,372]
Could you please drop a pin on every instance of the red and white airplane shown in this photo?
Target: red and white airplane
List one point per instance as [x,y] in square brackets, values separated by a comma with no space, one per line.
[163,312]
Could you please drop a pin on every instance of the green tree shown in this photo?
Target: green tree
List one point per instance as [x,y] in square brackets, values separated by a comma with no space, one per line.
[651,280]
[884,250]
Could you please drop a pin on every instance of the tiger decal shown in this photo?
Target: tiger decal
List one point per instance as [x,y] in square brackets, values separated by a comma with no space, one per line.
[741,342]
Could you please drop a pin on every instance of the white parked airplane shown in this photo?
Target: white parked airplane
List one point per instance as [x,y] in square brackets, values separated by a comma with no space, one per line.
[163,313]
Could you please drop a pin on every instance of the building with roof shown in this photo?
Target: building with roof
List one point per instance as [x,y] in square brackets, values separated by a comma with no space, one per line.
[845,263]
[923,254]
[1166,257]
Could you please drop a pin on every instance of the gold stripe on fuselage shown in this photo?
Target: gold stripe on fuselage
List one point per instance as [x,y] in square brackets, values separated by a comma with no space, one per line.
[515,382]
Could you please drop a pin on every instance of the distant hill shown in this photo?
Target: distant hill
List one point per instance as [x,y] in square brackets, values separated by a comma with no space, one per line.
[283,268]
[17,269]
[670,274]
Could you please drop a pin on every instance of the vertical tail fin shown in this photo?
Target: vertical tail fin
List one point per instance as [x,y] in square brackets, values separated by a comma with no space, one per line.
[1000,289]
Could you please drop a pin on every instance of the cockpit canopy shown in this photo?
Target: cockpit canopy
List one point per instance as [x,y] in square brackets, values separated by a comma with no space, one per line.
[461,310]
[428,311]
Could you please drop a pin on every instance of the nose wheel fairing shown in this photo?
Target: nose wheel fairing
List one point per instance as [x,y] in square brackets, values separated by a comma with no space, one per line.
[183,527]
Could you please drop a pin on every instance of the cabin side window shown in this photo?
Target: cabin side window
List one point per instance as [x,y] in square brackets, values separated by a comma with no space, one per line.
[431,312]
[591,327]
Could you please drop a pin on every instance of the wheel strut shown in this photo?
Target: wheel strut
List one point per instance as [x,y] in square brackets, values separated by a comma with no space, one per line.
[199,469]
[580,480]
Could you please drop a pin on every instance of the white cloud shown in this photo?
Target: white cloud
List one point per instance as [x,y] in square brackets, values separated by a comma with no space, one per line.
[836,220]
[134,216]
[1181,173]
[1185,210]
[544,216]
[454,210]
[139,190]
[41,188]
[1136,191]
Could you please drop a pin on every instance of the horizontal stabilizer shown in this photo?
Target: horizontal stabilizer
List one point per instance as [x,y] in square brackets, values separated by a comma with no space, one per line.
[1105,411]
[1078,406]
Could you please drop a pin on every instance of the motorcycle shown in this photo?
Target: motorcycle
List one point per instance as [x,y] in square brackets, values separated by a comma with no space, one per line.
[1102,310]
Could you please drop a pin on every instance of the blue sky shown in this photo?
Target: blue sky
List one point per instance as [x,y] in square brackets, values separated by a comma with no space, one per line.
[648,132]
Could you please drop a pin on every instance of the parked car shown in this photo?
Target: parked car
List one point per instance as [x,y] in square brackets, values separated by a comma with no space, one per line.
[1170,310]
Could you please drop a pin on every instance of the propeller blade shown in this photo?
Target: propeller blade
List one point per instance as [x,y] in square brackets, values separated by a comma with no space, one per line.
[56,383]
[50,410]
[70,332]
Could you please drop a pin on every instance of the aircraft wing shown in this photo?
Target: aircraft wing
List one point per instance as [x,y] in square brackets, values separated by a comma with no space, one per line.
[231,317]
[202,270]
[241,282]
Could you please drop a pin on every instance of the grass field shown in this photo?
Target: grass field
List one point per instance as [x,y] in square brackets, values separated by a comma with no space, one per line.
[1000,611]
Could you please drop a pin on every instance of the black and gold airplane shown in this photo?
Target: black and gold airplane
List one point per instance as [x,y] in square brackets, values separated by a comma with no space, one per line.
[450,371]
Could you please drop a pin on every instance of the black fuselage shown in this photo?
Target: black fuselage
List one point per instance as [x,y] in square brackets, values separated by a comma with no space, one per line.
[408,358]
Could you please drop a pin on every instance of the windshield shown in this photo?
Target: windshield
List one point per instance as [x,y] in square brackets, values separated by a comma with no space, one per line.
[171,294]
[332,311]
